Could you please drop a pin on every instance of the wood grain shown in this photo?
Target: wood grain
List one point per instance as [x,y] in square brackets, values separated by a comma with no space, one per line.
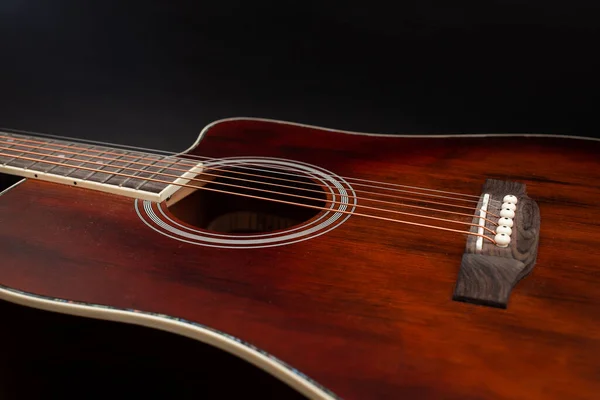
[487,276]
[487,280]
[365,310]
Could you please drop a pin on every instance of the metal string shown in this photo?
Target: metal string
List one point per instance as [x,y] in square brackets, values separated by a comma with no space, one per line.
[268,199]
[203,158]
[230,185]
[178,161]
[64,150]
[182,161]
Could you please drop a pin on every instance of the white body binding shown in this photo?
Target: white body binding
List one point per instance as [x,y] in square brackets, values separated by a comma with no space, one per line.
[102,187]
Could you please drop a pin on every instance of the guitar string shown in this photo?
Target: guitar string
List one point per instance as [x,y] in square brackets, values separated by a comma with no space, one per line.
[236,186]
[63,150]
[182,160]
[281,179]
[280,201]
[204,158]
[282,168]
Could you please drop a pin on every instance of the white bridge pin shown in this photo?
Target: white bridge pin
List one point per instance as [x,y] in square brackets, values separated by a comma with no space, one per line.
[502,240]
[509,206]
[504,229]
[506,221]
[509,198]
[507,213]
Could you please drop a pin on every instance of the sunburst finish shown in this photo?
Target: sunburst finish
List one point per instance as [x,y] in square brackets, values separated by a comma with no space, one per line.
[363,311]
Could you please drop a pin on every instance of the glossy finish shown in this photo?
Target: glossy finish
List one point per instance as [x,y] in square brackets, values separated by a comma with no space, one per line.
[487,276]
[365,310]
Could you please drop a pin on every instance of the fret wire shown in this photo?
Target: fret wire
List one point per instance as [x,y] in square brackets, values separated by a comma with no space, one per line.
[114,168]
[52,152]
[82,163]
[138,154]
[17,160]
[121,168]
[78,157]
[66,156]
[135,174]
[109,173]
[41,149]
[145,180]
[77,162]
[14,158]
[100,170]
[158,173]
[84,155]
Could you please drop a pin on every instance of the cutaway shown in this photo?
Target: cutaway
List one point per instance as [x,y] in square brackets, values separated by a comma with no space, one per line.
[326,292]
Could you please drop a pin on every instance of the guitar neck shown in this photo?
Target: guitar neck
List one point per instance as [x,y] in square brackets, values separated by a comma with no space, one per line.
[132,174]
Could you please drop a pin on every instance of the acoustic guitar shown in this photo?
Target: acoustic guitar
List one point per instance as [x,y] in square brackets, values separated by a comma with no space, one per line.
[347,265]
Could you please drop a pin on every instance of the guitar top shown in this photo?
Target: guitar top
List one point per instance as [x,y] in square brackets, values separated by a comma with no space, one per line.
[347,265]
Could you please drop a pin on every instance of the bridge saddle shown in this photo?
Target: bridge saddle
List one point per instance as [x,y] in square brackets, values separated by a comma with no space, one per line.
[490,269]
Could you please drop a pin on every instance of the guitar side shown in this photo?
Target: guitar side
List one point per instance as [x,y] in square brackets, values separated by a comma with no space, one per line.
[364,310]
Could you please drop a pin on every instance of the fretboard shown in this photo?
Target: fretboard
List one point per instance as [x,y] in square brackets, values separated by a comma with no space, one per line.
[129,173]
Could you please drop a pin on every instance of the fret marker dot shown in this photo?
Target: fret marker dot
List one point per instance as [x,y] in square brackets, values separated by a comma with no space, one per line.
[61,155]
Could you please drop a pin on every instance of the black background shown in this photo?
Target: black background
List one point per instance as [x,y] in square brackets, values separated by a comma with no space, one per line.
[154,73]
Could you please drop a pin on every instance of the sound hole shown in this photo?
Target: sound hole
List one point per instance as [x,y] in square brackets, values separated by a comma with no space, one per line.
[238,213]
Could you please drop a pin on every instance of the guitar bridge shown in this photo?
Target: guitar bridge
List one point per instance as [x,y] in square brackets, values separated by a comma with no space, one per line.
[491,269]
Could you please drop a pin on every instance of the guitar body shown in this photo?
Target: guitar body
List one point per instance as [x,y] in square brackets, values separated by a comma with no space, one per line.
[360,308]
